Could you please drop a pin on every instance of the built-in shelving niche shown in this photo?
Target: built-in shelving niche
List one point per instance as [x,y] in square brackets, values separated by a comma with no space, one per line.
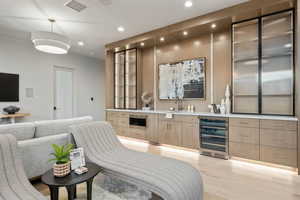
[263,65]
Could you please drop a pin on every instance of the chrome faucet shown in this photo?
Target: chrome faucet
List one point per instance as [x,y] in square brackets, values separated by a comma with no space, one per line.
[179,103]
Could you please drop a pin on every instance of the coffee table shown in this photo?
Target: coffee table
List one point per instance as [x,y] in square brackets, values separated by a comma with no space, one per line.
[70,181]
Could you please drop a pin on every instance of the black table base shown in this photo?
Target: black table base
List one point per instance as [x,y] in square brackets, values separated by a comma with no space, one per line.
[70,182]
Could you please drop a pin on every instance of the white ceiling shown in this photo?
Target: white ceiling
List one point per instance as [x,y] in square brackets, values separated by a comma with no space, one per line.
[97,25]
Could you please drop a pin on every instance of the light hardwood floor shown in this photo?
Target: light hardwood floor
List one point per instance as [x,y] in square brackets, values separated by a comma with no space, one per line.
[227,179]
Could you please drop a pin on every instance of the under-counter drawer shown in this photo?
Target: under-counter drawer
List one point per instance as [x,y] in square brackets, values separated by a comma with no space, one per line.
[123,115]
[279,125]
[244,122]
[111,116]
[278,138]
[243,150]
[279,156]
[137,133]
[188,119]
[244,135]
[175,118]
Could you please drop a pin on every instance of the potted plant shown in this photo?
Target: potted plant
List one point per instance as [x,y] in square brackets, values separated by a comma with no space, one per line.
[61,166]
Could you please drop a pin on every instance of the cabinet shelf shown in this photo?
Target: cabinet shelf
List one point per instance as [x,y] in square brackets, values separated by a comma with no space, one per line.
[218,145]
[264,37]
[277,35]
[215,136]
[246,59]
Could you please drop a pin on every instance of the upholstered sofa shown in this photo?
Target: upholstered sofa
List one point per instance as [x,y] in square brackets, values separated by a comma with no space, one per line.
[35,139]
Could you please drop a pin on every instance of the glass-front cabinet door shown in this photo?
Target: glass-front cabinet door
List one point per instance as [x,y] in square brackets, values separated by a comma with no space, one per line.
[125,72]
[263,68]
[130,79]
[277,64]
[119,79]
[245,67]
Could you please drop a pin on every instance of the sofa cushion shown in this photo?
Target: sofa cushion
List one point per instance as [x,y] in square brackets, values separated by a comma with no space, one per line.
[37,151]
[54,127]
[22,131]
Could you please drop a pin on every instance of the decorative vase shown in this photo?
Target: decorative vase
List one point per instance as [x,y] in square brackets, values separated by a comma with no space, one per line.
[227,100]
[61,170]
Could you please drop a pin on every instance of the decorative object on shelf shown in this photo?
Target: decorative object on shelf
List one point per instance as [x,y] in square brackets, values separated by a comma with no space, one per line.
[211,108]
[172,109]
[179,102]
[50,42]
[214,108]
[223,107]
[184,79]
[11,110]
[227,100]
[146,99]
[77,158]
[191,108]
[61,167]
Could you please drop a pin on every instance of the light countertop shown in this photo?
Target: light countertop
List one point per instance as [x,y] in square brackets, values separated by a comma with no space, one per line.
[208,114]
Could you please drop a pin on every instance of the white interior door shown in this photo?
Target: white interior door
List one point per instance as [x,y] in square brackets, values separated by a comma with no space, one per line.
[63,93]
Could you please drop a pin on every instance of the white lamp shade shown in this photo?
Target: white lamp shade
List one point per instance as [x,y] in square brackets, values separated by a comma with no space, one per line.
[50,42]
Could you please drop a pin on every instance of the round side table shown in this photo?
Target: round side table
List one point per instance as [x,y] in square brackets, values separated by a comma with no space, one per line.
[70,181]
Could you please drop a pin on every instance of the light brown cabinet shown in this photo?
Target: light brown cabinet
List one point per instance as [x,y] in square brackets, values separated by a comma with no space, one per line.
[169,132]
[244,135]
[190,135]
[152,128]
[273,141]
[180,131]
[281,156]
[244,150]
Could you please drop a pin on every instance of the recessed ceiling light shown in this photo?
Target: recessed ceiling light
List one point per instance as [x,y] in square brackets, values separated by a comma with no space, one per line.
[162,39]
[213,25]
[121,29]
[188,3]
[80,43]
[142,44]
[185,33]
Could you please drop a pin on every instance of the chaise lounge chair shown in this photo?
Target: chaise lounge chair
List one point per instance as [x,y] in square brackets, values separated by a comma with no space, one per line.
[14,184]
[169,178]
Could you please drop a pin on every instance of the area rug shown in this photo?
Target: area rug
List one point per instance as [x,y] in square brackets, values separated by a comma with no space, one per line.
[108,188]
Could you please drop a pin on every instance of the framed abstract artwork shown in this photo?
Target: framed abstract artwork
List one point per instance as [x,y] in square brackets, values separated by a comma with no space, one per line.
[184,79]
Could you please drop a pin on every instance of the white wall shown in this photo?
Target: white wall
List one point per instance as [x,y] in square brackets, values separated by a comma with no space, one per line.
[36,71]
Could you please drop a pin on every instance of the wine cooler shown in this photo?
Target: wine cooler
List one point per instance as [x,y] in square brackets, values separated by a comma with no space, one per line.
[214,137]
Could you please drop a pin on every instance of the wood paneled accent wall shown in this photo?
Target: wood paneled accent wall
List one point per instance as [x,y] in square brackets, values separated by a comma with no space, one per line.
[200,46]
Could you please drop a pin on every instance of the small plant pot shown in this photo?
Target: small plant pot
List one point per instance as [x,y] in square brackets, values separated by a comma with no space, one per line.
[61,170]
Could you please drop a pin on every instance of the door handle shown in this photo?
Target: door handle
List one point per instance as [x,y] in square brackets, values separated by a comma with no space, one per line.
[54,108]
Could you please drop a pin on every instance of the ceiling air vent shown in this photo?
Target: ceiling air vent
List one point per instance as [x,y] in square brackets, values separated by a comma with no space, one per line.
[75,5]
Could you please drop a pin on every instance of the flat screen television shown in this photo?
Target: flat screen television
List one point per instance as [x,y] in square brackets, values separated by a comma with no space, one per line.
[9,87]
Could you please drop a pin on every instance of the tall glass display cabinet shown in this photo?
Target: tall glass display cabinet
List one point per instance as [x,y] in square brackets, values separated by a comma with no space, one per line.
[263,65]
[125,74]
